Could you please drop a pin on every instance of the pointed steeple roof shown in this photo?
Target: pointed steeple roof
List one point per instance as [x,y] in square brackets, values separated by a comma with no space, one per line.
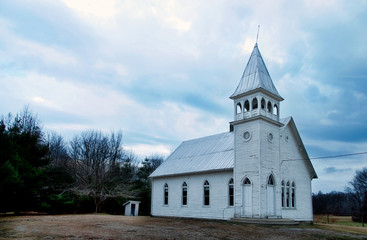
[255,76]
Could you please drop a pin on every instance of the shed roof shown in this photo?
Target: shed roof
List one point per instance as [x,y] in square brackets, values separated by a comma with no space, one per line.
[255,76]
[210,153]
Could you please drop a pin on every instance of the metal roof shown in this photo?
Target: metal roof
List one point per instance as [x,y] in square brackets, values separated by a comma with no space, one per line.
[255,76]
[213,153]
[199,155]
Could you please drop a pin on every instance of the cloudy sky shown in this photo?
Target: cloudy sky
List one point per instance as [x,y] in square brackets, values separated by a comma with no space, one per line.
[162,71]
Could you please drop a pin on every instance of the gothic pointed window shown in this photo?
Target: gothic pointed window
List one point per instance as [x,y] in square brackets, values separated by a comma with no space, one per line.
[206,193]
[271,180]
[287,195]
[293,195]
[270,108]
[239,108]
[246,107]
[184,194]
[254,103]
[283,192]
[230,192]
[246,181]
[165,196]
[262,103]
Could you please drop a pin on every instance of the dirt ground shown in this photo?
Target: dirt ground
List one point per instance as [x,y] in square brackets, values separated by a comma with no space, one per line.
[93,226]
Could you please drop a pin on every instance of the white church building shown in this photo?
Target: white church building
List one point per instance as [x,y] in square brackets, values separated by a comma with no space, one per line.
[259,169]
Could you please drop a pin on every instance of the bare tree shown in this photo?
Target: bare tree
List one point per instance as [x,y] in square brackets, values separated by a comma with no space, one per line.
[358,190]
[95,163]
[58,149]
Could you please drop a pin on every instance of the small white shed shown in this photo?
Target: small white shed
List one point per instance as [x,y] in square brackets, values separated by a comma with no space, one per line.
[132,208]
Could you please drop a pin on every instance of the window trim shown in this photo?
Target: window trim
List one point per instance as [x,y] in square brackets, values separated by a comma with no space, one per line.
[231,195]
[246,181]
[165,194]
[184,198]
[283,194]
[288,195]
[206,197]
[293,195]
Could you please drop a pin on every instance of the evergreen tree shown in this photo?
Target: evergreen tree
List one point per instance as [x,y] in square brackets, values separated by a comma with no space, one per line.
[143,185]
[23,156]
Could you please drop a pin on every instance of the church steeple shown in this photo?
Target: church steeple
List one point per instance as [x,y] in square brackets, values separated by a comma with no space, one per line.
[255,76]
[256,94]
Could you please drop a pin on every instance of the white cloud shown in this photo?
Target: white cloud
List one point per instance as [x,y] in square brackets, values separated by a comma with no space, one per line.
[169,11]
[18,49]
[95,8]
[147,150]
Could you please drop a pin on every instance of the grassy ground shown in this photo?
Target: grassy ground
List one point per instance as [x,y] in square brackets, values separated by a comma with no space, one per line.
[339,223]
[93,226]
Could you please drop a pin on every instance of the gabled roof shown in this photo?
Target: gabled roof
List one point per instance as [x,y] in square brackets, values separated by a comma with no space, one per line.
[255,76]
[212,153]
[290,122]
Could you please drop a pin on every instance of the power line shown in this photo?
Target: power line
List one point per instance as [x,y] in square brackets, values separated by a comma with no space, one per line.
[333,156]
[341,155]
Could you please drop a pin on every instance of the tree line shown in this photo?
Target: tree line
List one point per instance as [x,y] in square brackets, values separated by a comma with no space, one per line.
[352,202]
[40,171]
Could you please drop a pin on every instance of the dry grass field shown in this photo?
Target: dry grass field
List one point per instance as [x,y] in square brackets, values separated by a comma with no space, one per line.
[93,226]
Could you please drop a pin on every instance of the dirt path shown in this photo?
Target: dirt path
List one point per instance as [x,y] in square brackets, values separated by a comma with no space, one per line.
[122,227]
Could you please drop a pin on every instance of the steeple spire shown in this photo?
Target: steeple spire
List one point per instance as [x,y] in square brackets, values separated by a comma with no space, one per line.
[255,77]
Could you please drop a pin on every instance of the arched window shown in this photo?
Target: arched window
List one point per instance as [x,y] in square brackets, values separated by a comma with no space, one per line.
[270,108]
[166,194]
[238,108]
[254,103]
[275,110]
[247,181]
[184,194]
[287,196]
[271,180]
[293,195]
[230,192]
[206,193]
[262,103]
[246,107]
[283,193]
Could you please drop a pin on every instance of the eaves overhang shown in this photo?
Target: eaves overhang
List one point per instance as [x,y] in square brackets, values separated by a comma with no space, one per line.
[260,89]
[192,173]
[258,117]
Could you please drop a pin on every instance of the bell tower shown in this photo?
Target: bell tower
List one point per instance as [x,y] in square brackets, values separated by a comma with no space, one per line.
[256,128]
[256,94]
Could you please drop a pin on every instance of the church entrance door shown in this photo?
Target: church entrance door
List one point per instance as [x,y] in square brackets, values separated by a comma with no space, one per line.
[271,196]
[270,202]
[247,198]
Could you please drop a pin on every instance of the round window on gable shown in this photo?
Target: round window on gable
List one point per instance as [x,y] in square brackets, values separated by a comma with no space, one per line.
[247,136]
[270,137]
